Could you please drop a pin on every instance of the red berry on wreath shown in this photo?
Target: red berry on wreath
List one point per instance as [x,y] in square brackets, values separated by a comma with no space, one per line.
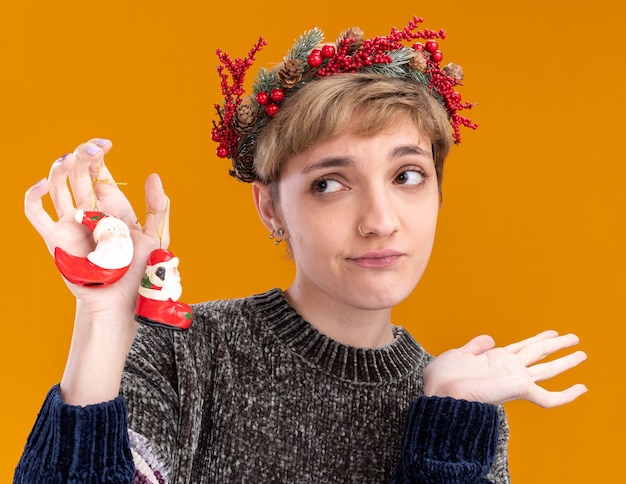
[272,109]
[263,98]
[436,56]
[277,95]
[328,51]
[418,46]
[431,46]
[315,58]
[222,151]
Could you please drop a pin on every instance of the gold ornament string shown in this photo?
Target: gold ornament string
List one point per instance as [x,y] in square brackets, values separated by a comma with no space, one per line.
[97,179]
[159,231]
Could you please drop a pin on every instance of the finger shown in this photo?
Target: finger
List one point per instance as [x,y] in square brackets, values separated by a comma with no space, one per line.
[105,190]
[104,185]
[102,180]
[479,345]
[33,208]
[104,144]
[538,350]
[57,182]
[548,399]
[158,209]
[545,371]
[88,167]
[518,346]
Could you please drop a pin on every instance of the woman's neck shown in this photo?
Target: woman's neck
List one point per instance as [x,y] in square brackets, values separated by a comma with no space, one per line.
[360,328]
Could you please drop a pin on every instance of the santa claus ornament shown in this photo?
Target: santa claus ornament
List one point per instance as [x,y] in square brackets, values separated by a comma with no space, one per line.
[157,304]
[110,258]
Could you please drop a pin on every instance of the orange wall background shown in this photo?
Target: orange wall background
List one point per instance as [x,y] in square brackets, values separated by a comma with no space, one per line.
[531,233]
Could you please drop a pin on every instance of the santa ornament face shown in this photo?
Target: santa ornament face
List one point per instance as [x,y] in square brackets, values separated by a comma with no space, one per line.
[114,247]
[109,260]
[157,304]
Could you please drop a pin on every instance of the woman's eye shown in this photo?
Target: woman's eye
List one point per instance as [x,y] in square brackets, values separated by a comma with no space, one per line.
[409,177]
[327,186]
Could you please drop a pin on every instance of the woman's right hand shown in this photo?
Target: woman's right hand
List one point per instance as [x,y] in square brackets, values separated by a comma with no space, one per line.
[104,327]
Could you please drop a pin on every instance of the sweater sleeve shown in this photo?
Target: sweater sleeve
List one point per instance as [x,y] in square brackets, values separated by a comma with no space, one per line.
[74,444]
[447,441]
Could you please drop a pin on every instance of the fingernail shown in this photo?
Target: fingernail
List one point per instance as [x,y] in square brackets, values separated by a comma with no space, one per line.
[92,150]
[101,141]
[39,183]
[60,159]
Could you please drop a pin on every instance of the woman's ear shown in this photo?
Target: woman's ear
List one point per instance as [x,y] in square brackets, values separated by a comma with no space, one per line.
[265,206]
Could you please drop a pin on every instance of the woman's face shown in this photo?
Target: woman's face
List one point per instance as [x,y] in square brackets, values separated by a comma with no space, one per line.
[385,185]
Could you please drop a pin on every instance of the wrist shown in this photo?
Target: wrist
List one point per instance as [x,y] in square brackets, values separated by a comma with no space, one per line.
[101,340]
[443,390]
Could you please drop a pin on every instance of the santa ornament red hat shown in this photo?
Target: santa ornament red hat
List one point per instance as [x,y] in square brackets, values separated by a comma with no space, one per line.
[161,256]
[98,222]
[89,218]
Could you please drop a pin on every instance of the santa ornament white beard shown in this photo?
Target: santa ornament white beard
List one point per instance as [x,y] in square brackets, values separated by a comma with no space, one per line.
[172,288]
[114,248]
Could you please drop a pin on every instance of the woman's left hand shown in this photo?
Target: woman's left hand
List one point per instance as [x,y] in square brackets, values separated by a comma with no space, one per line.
[478,371]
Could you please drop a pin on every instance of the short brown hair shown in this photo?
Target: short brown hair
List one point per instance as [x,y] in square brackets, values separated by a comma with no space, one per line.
[324,108]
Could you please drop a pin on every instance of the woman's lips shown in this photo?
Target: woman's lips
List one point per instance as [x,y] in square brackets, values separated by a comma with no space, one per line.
[378,259]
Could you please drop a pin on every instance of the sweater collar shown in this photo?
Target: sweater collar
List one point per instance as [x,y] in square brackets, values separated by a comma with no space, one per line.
[390,363]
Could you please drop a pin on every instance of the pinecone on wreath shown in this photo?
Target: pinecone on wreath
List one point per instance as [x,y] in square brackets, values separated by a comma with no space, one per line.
[418,61]
[243,121]
[353,33]
[290,73]
[243,168]
[453,71]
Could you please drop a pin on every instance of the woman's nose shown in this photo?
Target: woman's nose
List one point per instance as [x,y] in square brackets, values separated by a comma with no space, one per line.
[378,214]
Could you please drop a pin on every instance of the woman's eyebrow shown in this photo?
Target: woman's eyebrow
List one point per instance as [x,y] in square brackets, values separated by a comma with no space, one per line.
[343,161]
[405,150]
[329,162]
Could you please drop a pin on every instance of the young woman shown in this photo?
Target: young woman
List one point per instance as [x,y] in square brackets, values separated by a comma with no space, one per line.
[313,383]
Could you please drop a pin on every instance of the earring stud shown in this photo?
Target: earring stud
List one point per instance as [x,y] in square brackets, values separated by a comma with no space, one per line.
[279,233]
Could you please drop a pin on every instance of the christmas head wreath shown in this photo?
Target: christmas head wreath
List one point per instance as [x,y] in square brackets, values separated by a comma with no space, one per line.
[241,121]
